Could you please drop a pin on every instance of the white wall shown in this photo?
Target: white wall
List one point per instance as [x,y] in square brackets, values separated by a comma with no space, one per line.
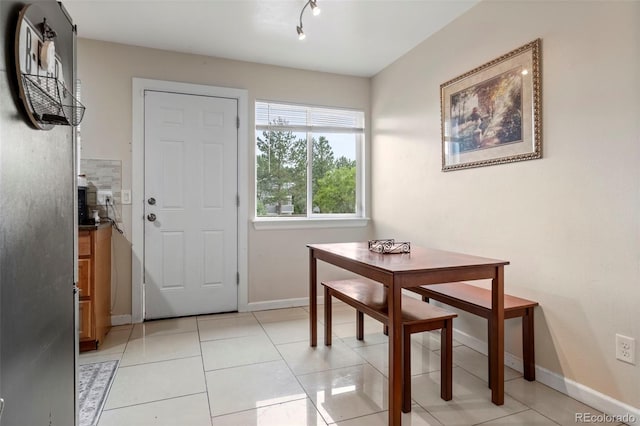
[278,260]
[570,222]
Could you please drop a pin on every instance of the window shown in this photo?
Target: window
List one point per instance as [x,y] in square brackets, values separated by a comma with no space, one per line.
[309,161]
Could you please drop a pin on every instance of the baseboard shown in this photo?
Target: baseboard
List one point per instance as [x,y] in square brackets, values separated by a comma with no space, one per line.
[281,303]
[120,319]
[620,411]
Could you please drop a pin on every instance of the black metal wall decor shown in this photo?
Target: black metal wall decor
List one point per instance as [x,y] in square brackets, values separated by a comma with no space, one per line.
[47,97]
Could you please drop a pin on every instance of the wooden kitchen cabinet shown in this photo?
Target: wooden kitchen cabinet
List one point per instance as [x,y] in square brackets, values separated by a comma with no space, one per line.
[94,285]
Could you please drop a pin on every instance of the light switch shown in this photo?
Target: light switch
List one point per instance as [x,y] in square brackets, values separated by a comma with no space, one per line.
[126,196]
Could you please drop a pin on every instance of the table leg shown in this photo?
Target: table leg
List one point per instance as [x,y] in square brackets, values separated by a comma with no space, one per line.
[394,298]
[313,298]
[496,349]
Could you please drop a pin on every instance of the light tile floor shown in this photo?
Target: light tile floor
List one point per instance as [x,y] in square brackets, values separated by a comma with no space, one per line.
[257,369]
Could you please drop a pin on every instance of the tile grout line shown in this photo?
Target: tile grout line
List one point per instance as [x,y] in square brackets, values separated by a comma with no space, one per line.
[115,376]
[161,360]
[204,372]
[154,401]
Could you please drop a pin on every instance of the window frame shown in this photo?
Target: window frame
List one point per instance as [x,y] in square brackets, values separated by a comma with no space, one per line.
[316,220]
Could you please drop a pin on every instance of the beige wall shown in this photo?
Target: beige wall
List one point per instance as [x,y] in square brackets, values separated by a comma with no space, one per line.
[570,222]
[278,260]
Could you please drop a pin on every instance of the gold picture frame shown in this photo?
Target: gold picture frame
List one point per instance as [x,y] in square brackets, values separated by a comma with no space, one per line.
[493,113]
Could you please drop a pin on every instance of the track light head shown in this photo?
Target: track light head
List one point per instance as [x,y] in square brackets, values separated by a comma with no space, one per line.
[301,34]
[314,7]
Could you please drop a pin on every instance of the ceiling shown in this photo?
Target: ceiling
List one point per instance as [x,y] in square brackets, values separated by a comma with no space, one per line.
[353,37]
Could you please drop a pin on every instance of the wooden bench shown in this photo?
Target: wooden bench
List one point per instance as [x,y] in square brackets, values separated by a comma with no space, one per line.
[477,300]
[370,297]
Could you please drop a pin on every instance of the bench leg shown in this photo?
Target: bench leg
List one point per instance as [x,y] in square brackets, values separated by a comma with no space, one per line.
[406,370]
[446,360]
[359,325]
[327,316]
[489,352]
[528,349]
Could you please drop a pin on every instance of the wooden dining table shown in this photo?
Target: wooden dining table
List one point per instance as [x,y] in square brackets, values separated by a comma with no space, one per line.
[422,266]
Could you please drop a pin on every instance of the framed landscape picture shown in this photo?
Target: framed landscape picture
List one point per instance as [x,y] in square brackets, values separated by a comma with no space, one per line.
[493,113]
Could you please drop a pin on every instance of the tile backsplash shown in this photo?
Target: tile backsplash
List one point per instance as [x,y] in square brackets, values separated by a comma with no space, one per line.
[103,175]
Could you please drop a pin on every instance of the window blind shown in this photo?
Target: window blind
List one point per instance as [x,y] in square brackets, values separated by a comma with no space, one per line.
[300,118]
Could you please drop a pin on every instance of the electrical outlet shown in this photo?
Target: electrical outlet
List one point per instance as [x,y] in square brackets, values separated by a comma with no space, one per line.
[626,349]
[126,196]
[103,195]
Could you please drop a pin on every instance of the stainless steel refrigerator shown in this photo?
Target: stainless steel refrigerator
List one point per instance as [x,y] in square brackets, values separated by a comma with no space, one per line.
[37,319]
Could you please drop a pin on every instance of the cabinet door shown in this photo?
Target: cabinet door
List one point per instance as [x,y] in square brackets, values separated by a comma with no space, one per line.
[84,243]
[84,277]
[86,327]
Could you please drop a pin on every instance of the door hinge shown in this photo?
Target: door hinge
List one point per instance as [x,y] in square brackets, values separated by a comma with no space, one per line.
[237,278]
[238,200]
[237,122]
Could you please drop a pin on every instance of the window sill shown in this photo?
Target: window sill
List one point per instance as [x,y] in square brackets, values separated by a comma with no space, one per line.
[309,223]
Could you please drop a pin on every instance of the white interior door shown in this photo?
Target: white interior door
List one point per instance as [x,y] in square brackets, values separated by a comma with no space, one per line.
[191,187]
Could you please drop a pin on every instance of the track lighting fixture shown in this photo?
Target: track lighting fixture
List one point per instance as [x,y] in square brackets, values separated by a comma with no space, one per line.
[314,9]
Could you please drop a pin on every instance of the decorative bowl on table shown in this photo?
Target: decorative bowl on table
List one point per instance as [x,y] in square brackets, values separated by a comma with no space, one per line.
[389,246]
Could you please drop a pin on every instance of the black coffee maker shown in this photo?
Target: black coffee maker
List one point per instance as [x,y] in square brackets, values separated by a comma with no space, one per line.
[83,211]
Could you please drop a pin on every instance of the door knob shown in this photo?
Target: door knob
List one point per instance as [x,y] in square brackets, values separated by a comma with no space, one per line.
[151,201]
[151,217]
